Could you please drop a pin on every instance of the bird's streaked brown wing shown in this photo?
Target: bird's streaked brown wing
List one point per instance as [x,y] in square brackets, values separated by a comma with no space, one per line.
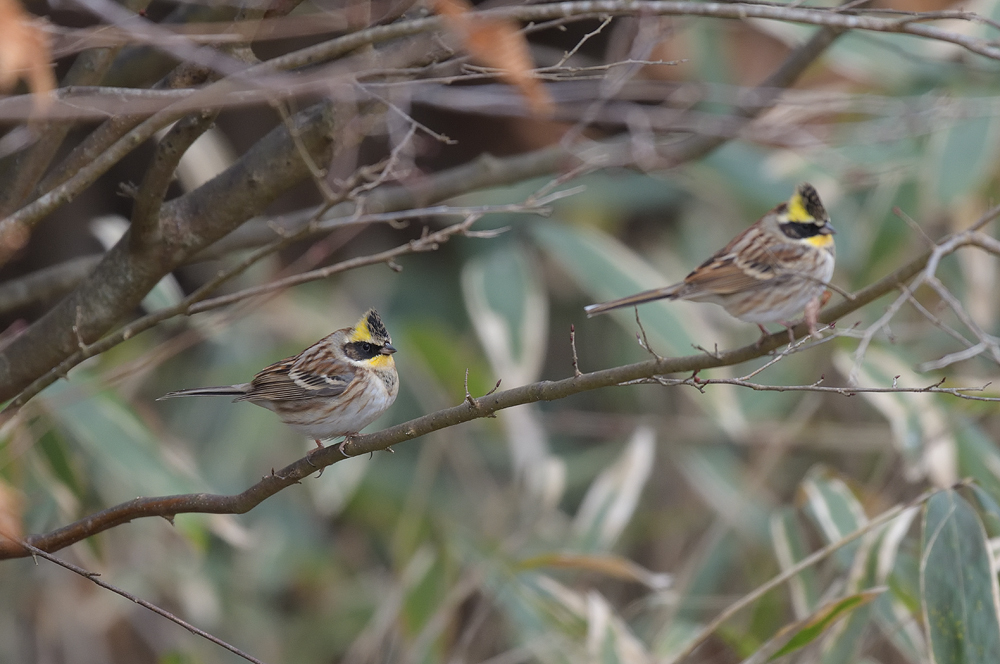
[306,376]
[749,261]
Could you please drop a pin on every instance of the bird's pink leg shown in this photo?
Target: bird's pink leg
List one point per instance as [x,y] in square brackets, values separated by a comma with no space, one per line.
[319,446]
[812,315]
[763,334]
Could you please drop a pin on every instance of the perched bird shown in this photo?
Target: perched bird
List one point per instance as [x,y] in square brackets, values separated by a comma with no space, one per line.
[336,387]
[768,273]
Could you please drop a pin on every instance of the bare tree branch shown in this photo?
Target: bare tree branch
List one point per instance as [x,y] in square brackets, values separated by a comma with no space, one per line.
[198,219]
[45,284]
[188,224]
[159,175]
[469,409]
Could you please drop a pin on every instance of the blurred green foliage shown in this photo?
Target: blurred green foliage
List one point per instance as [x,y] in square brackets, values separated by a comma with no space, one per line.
[550,533]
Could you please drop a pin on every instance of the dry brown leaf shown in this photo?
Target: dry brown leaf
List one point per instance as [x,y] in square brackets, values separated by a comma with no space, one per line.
[11,508]
[497,43]
[24,53]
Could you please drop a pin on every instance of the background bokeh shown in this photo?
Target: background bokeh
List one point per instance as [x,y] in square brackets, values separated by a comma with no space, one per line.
[608,526]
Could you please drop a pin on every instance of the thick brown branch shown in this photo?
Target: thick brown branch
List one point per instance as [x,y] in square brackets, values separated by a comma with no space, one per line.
[159,175]
[470,409]
[45,284]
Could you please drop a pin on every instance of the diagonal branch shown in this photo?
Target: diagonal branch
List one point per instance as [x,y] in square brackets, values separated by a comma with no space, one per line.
[92,576]
[468,410]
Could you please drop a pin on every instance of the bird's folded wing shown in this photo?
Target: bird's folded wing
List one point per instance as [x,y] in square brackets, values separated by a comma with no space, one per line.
[299,380]
[733,273]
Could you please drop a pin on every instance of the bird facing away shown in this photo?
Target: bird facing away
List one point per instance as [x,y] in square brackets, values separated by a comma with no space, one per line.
[777,267]
[336,387]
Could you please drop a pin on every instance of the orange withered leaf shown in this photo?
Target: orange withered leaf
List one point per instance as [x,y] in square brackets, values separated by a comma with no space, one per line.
[24,53]
[498,44]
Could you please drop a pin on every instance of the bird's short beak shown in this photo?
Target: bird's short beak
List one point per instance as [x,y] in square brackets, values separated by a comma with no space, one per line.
[388,349]
[827,229]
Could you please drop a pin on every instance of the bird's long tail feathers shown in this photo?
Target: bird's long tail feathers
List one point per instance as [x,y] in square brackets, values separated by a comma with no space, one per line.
[221,390]
[639,298]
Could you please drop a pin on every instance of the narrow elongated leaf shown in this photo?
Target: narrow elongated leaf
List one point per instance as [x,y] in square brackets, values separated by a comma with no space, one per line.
[612,498]
[834,508]
[920,427]
[958,584]
[888,547]
[989,510]
[716,475]
[509,309]
[901,627]
[978,457]
[962,156]
[822,619]
[790,547]
[608,565]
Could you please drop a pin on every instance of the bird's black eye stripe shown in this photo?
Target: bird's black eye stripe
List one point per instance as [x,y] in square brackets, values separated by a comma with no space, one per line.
[800,229]
[362,350]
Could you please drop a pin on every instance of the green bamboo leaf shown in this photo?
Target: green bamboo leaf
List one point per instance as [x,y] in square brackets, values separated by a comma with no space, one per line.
[508,306]
[962,156]
[835,510]
[509,309]
[900,626]
[920,427]
[614,495]
[125,452]
[826,616]
[961,599]
[719,479]
[978,457]
[989,509]
[790,547]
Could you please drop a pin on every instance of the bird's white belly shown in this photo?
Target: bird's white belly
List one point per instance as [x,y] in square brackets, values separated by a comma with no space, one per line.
[321,419]
[782,302]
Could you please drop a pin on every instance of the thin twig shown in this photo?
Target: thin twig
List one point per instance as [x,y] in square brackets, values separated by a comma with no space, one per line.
[849,391]
[93,576]
[572,345]
[944,247]
[583,40]
[644,340]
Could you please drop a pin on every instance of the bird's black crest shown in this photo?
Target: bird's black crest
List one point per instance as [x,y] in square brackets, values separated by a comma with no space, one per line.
[810,201]
[375,327]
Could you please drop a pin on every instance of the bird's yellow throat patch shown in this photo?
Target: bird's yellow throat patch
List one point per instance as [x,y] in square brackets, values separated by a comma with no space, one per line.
[382,362]
[820,241]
